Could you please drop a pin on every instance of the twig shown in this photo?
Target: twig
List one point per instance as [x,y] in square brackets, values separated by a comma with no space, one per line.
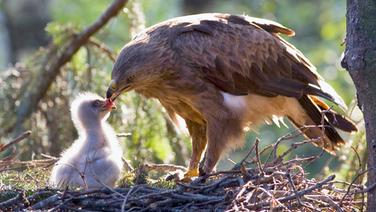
[353,181]
[4,206]
[126,198]
[16,140]
[237,166]
[101,46]
[299,193]
[49,156]
[121,135]
[46,202]
[296,192]
[328,200]
[163,167]
[127,164]
[258,156]
[368,189]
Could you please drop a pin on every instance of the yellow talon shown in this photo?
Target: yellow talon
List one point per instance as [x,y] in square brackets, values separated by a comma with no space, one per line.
[189,174]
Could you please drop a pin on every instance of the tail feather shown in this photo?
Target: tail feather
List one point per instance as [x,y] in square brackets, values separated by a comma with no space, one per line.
[337,120]
[319,114]
[334,95]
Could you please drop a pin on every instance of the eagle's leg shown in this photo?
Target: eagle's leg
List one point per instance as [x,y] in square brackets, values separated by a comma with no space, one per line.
[198,134]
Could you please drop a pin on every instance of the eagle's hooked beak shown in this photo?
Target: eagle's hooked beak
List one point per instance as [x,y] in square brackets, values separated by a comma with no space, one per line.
[111,91]
[114,90]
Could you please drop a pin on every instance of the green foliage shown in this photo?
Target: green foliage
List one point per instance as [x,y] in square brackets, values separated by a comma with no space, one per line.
[79,12]
[162,183]
[129,179]
[126,180]
[29,179]
[60,32]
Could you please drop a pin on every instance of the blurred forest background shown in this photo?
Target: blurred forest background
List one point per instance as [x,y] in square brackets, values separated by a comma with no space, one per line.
[31,29]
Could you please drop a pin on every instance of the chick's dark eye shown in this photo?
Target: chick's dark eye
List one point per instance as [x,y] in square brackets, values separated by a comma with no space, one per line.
[96,103]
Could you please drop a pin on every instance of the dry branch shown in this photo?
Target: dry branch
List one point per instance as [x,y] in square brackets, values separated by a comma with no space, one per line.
[103,48]
[163,167]
[15,141]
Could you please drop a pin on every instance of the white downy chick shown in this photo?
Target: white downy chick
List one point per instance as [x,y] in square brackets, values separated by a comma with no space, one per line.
[95,158]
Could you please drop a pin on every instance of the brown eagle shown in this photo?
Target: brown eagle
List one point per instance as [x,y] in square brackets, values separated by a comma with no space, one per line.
[223,73]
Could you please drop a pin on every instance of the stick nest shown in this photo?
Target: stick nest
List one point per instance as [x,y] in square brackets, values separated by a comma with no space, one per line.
[274,183]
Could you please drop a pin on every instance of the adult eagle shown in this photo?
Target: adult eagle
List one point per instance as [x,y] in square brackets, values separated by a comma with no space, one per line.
[222,73]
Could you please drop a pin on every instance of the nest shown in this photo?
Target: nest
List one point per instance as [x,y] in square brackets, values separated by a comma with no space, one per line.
[275,183]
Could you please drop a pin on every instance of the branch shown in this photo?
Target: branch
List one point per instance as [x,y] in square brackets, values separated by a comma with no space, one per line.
[46,76]
[8,204]
[102,47]
[163,167]
[297,194]
[16,140]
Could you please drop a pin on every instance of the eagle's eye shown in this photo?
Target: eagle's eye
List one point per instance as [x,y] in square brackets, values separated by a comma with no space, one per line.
[130,79]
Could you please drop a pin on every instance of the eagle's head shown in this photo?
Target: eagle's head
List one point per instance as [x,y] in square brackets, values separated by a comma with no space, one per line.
[136,67]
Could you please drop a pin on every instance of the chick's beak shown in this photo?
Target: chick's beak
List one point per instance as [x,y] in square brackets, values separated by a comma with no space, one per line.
[109,104]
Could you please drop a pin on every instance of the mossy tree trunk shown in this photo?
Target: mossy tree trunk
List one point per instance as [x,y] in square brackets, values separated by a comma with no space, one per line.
[360,61]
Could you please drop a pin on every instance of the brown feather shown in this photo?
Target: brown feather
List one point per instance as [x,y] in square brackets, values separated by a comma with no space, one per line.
[333,140]
[262,64]
[265,24]
[337,120]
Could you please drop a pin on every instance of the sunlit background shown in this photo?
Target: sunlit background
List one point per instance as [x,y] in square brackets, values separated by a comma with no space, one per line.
[28,27]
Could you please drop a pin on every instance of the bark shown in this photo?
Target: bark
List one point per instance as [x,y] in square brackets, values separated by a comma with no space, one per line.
[360,61]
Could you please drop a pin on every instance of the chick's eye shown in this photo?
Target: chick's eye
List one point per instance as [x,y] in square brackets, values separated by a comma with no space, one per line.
[96,103]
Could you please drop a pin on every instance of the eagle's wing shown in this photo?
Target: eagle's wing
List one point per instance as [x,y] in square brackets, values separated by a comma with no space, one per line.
[242,55]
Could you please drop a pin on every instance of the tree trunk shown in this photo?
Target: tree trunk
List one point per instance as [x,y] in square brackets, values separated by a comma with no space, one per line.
[360,61]
[26,20]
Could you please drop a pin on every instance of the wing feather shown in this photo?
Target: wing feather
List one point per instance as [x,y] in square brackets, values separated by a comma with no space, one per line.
[242,55]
